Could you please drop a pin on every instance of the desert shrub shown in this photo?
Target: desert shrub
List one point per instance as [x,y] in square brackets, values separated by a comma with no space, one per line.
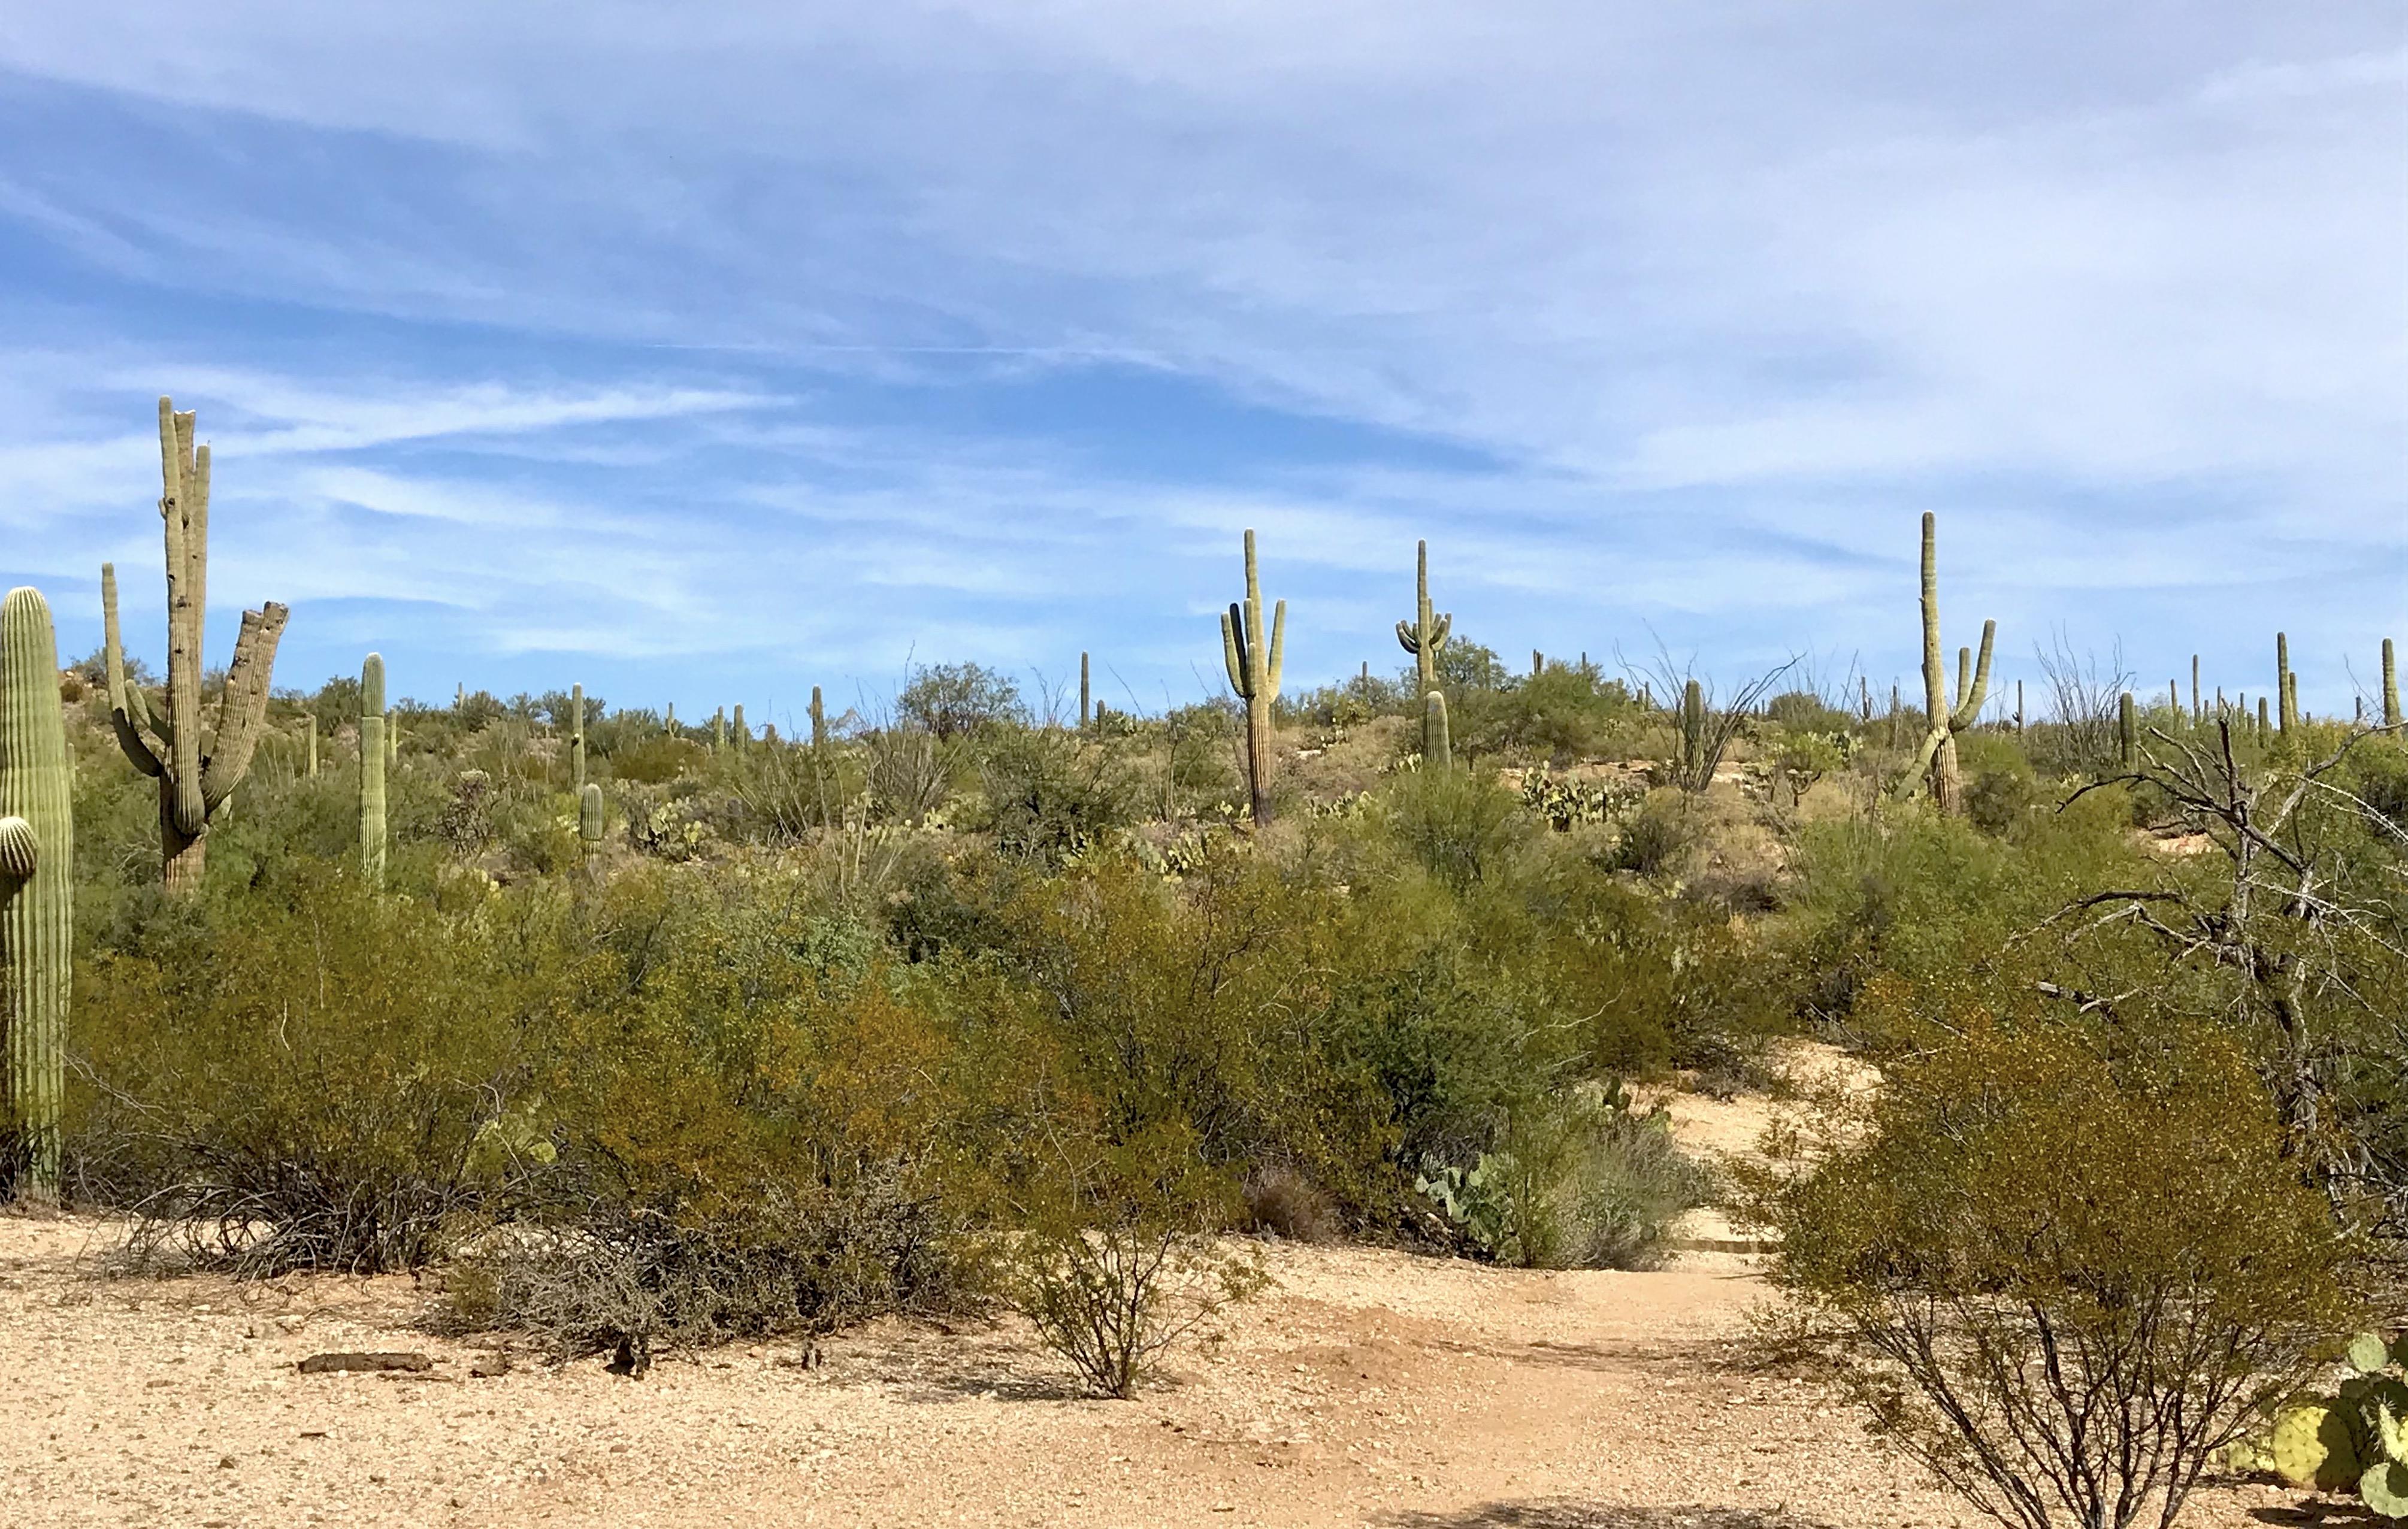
[1804,711]
[1567,713]
[948,700]
[1580,1181]
[656,759]
[1460,824]
[1286,1203]
[909,772]
[291,1078]
[1117,1262]
[1659,834]
[1048,794]
[2060,1267]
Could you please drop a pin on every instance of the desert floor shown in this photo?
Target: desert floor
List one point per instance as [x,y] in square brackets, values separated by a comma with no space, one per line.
[1367,1388]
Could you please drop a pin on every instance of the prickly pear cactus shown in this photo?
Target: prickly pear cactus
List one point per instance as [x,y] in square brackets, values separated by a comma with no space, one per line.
[2313,1448]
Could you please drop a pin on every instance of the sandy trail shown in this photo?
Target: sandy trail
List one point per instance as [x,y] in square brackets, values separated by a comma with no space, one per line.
[1369,1388]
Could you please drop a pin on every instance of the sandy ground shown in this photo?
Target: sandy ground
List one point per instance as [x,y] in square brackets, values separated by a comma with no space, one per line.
[1367,1388]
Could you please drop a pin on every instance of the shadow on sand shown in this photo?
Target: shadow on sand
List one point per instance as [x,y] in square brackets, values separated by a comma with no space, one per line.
[1559,1514]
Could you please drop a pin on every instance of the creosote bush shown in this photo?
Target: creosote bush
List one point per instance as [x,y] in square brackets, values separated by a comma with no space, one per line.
[2060,1265]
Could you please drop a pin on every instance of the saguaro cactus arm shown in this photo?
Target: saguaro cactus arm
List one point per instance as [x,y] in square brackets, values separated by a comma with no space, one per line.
[1973,690]
[129,712]
[242,706]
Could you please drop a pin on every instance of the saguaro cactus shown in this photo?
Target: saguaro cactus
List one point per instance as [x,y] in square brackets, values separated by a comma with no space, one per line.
[737,730]
[1438,745]
[589,818]
[1424,638]
[1936,761]
[577,738]
[818,719]
[37,895]
[313,746]
[719,730]
[1254,675]
[2390,687]
[1086,695]
[2197,709]
[2127,732]
[2285,695]
[196,773]
[372,762]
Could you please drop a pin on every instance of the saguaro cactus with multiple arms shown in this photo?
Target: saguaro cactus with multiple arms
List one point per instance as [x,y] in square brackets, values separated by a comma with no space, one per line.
[36,895]
[1424,638]
[1936,761]
[372,761]
[1254,675]
[196,773]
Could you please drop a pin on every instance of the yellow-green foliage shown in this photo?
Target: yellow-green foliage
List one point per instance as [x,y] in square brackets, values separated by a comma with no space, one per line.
[2060,1265]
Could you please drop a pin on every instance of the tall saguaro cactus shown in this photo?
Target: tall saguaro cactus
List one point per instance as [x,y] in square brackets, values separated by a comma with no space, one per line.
[2128,741]
[819,720]
[1254,675]
[2390,687]
[1424,638]
[197,772]
[1086,695]
[577,738]
[2286,692]
[1937,759]
[36,895]
[372,760]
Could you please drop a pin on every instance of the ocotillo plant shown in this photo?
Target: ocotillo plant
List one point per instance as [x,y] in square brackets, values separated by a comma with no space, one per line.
[195,774]
[818,719]
[1254,675]
[1438,745]
[1086,708]
[1424,638]
[2127,742]
[1937,759]
[372,762]
[2390,687]
[589,818]
[37,893]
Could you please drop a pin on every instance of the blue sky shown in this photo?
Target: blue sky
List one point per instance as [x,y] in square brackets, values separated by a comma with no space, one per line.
[704,354]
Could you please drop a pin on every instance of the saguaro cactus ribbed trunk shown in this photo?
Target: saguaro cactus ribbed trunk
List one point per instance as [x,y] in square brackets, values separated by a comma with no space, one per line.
[1424,638]
[1438,744]
[372,760]
[196,774]
[2127,732]
[818,719]
[589,818]
[1693,774]
[36,895]
[2390,687]
[1086,695]
[577,738]
[1254,675]
[2285,708]
[1936,761]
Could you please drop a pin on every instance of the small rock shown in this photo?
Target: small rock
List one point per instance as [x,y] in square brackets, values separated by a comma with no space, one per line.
[226,1462]
[490,1366]
[333,1363]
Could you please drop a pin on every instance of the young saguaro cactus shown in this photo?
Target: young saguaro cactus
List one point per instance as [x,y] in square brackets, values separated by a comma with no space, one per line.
[1694,775]
[1086,695]
[819,720]
[36,895]
[737,731]
[1438,744]
[1424,637]
[372,761]
[2283,691]
[2128,743]
[197,771]
[1936,761]
[1254,675]
[589,818]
